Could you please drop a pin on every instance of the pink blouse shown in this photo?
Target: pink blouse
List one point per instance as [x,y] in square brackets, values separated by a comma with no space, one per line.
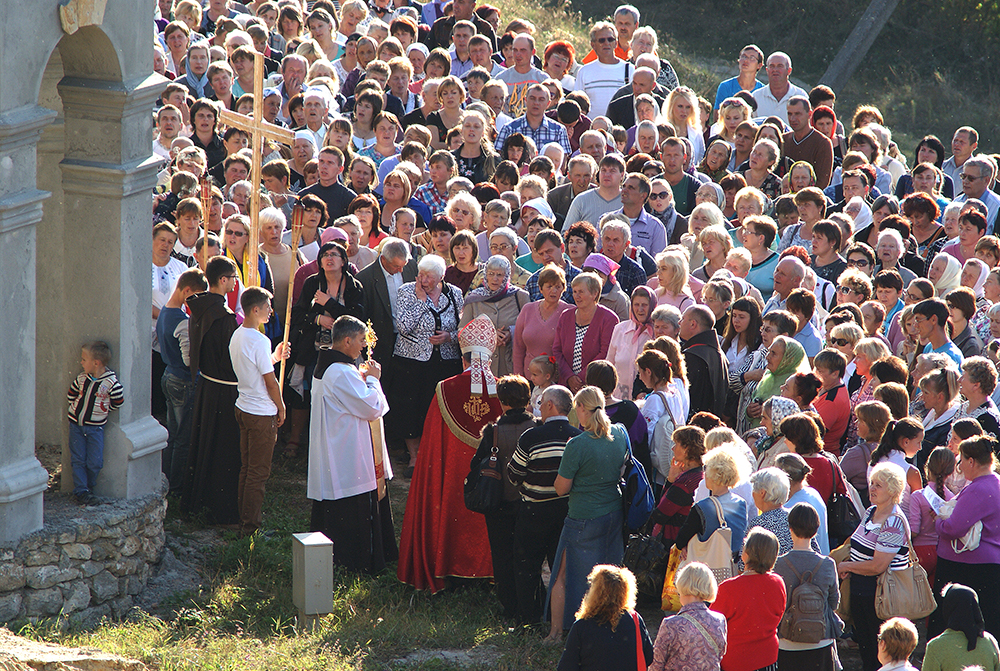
[533,336]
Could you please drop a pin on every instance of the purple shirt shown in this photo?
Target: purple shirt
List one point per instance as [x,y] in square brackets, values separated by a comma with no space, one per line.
[978,502]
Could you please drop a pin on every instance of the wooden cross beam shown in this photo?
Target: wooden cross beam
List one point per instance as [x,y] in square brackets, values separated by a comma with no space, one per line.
[259,129]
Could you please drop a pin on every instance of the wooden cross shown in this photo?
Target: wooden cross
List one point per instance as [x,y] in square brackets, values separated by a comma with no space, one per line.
[259,129]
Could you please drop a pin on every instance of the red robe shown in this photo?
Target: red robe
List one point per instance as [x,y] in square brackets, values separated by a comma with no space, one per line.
[441,537]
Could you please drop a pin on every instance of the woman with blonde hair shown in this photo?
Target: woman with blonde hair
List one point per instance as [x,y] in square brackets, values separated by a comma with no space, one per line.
[604,634]
[682,112]
[672,277]
[465,211]
[694,638]
[866,353]
[704,215]
[592,532]
[732,112]
[715,243]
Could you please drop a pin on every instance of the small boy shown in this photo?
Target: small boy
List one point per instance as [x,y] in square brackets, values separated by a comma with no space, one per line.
[833,402]
[259,407]
[93,394]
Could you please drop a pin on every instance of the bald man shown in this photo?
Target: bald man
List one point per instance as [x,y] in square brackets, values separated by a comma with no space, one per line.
[621,110]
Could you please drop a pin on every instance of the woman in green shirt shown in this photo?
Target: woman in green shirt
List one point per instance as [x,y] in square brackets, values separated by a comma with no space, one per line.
[589,473]
[965,643]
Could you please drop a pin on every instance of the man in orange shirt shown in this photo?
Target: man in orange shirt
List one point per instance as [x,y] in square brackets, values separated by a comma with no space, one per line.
[626,21]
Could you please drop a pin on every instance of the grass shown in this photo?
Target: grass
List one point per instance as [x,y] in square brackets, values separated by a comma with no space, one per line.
[244,618]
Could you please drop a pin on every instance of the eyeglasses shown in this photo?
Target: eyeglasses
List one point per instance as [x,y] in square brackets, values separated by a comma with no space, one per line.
[658,196]
[496,275]
[966,177]
[230,277]
[605,40]
[858,263]
[845,290]
[236,234]
[768,329]
[840,342]
[913,297]
[499,248]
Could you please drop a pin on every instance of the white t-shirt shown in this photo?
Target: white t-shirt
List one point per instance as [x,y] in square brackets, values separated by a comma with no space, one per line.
[600,81]
[250,351]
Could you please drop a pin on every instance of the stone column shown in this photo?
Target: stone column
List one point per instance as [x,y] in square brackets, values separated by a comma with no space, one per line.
[22,478]
[107,175]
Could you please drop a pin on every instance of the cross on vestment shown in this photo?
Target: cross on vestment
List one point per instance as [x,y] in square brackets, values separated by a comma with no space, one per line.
[259,129]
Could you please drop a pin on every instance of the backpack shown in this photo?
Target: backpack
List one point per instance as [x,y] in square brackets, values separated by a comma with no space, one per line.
[804,620]
[637,494]
[661,442]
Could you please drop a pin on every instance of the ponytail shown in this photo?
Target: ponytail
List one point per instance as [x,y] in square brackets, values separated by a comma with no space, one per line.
[592,398]
[896,429]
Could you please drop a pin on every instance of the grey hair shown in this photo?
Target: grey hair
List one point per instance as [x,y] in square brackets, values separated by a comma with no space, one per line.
[668,314]
[347,326]
[271,215]
[507,233]
[395,248]
[800,268]
[497,205]
[985,165]
[630,10]
[497,262]
[773,483]
[935,360]
[465,182]
[560,396]
[586,159]
[347,219]
[615,224]
[433,264]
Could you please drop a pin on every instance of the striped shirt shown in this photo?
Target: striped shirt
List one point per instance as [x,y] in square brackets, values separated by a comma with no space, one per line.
[893,535]
[535,463]
[91,399]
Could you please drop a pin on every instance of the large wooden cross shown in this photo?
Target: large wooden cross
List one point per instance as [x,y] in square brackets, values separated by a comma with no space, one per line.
[259,129]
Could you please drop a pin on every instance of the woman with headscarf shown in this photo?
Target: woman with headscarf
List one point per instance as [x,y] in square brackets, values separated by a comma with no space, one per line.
[964,643]
[629,336]
[784,358]
[196,70]
[745,380]
[974,275]
[945,273]
[710,192]
[860,212]
[773,445]
[501,301]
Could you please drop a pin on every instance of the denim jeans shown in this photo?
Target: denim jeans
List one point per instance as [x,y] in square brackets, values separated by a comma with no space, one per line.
[86,450]
[179,393]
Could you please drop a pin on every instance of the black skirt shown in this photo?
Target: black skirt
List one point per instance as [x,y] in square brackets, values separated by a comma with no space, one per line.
[361,530]
[412,390]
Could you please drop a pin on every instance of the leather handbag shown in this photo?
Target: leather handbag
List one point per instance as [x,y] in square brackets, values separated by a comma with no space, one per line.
[843,553]
[646,557]
[483,490]
[717,551]
[904,593]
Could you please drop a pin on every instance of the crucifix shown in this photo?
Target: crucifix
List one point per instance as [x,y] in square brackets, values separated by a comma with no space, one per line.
[259,129]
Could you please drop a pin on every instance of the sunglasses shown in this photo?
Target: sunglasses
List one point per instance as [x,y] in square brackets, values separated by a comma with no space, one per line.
[839,342]
[858,263]
[966,177]
[605,40]
[658,196]
[236,234]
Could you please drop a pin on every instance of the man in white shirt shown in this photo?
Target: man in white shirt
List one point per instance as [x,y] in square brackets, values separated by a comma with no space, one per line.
[976,177]
[772,100]
[963,145]
[168,125]
[316,105]
[259,408]
[601,78]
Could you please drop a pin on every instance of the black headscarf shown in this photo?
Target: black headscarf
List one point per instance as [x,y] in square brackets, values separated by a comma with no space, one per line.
[960,610]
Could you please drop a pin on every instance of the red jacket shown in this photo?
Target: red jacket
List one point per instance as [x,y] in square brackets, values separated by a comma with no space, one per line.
[753,605]
[834,406]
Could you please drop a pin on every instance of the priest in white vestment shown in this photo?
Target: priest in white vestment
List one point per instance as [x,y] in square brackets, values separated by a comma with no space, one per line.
[348,462]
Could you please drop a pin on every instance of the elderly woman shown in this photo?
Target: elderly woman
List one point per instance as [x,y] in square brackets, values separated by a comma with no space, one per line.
[965,643]
[975,274]
[702,216]
[427,319]
[715,244]
[681,642]
[945,273]
[746,380]
[535,329]
[503,242]
[785,357]
[716,161]
[499,300]
[760,175]
[583,332]
[853,286]
[773,445]
[672,280]
[977,568]
[592,532]
[629,336]
[866,352]
[722,472]
[879,544]
[279,257]
[805,528]
[770,493]
[753,604]
[889,250]
[800,175]
[465,211]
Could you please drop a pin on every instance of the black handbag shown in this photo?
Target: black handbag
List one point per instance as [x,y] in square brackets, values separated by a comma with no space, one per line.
[841,516]
[647,556]
[483,490]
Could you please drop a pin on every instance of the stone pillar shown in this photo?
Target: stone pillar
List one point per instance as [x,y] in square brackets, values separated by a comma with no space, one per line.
[22,478]
[107,175]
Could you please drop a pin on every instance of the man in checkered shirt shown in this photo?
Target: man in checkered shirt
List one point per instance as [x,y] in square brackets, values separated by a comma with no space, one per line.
[535,124]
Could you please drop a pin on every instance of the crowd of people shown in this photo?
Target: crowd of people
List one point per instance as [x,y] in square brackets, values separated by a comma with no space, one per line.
[521,254]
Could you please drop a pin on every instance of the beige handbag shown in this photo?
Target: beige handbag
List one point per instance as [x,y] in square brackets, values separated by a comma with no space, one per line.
[906,592]
[717,551]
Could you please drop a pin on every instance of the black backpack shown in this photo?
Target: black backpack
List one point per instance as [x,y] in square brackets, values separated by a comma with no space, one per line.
[804,620]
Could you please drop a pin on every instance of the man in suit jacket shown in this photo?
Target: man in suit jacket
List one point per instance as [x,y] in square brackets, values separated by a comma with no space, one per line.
[380,281]
[580,174]
[621,109]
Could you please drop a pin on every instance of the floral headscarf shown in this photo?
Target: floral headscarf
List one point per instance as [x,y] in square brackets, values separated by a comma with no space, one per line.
[484,294]
[794,361]
[645,327]
[782,407]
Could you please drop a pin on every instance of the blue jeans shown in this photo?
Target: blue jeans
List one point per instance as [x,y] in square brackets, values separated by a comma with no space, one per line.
[86,451]
[179,393]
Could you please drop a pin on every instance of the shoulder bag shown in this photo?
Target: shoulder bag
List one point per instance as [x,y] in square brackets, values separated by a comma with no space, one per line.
[483,490]
[637,494]
[906,592]
[717,551]
[842,517]
[646,556]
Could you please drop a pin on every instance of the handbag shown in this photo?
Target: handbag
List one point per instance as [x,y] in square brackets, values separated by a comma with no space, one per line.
[670,599]
[970,541]
[842,517]
[717,551]
[646,556]
[483,489]
[838,555]
[906,592]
